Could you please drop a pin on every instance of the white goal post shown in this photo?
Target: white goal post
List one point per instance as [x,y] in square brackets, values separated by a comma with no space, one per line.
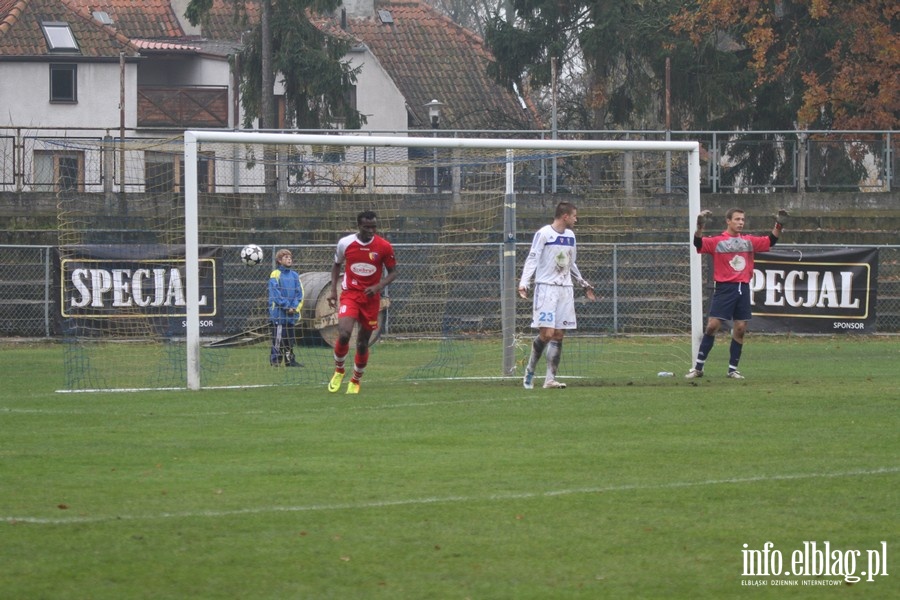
[191,221]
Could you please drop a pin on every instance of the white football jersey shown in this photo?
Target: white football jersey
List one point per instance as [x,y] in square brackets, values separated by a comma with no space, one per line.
[551,259]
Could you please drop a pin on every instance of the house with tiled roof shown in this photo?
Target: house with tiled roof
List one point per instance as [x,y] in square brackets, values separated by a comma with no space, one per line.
[165,70]
[53,58]
[103,71]
[59,68]
[429,57]
[184,80]
[409,53]
[424,54]
[124,68]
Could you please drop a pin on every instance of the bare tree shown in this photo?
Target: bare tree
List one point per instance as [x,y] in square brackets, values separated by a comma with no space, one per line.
[471,14]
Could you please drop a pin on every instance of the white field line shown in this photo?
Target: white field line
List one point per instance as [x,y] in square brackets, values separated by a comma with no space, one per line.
[328,408]
[352,506]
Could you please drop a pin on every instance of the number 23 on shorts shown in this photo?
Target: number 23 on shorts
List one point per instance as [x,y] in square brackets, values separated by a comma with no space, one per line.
[545,317]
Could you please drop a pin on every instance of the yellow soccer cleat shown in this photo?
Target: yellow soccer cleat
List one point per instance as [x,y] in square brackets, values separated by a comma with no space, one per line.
[335,383]
[352,388]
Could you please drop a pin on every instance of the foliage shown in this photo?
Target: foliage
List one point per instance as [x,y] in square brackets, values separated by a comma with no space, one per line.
[824,64]
[735,65]
[471,14]
[317,81]
[613,56]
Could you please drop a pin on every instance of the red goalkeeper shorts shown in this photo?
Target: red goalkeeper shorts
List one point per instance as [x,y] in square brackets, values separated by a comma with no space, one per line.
[364,309]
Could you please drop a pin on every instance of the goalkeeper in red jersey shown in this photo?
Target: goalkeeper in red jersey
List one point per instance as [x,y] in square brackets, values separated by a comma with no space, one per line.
[365,257]
[732,253]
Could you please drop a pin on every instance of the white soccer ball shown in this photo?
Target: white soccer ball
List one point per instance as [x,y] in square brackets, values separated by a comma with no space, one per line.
[251,255]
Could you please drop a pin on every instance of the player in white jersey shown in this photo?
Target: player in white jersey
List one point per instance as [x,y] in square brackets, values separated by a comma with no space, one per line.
[551,261]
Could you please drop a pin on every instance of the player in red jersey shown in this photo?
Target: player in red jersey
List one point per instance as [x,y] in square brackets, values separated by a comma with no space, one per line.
[366,256]
[732,253]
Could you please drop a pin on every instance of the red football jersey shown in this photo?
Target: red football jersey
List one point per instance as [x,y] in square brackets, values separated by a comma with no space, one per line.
[733,255]
[364,263]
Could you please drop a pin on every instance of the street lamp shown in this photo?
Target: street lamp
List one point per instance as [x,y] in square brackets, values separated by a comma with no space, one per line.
[434,115]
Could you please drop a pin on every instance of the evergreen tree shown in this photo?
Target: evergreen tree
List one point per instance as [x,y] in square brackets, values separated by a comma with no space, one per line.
[317,81]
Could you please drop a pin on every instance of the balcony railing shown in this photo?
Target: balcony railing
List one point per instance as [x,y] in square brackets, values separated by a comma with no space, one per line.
[182,107]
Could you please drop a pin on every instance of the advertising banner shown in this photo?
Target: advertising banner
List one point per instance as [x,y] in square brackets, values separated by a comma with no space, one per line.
[822,291]
[133,290]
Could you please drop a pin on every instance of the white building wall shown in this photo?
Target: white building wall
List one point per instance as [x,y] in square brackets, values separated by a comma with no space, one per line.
[27,102]
[185,71]
[377,96]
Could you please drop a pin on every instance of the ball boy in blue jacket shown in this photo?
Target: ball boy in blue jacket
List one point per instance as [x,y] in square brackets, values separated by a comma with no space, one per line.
[285,302]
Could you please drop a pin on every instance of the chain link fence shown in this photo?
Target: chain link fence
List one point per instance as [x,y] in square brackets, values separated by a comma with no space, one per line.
[639,284]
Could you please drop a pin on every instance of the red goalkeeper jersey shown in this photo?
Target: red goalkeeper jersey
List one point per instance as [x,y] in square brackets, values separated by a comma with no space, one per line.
[733,255]
[364,263]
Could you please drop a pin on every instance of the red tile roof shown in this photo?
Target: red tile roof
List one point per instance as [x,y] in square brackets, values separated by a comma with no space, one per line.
[136,18]
[227,19]
[150,45]
[10,10]
[430,57]
[21,34]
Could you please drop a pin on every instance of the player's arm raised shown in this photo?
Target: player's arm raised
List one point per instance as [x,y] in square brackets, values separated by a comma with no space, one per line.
[702,218]
[780,219]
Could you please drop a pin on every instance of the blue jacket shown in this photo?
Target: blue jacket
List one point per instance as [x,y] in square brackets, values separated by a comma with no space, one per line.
[285,291]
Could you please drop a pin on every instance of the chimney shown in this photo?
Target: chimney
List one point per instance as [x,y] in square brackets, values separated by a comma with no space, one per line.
[359,9]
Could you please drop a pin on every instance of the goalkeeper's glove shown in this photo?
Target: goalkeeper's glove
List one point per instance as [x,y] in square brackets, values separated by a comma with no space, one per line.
[781,216]
[702,218]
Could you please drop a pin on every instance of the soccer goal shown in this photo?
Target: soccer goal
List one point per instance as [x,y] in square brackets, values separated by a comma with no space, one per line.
[453,208]
[153,292]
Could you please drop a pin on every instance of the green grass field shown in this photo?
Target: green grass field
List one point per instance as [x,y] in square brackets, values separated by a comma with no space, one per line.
[643,488]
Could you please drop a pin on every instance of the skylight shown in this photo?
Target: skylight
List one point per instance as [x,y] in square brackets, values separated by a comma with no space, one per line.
[101,16]
[59,36]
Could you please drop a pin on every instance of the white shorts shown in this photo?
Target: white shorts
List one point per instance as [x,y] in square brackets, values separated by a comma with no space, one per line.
[554,306]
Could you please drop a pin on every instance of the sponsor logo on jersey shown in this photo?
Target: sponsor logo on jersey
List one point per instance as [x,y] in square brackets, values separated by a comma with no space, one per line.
[363,269]
[738,262]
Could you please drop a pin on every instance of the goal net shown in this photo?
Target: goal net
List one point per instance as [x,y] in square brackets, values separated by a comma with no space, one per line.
[154,294]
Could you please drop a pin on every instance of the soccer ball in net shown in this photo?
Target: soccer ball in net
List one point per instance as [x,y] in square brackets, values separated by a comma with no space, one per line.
[251,255]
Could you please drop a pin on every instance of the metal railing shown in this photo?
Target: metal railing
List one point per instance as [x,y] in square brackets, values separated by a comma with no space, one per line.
[732,162]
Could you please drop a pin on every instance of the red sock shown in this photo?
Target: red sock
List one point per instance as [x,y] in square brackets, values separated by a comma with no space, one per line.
[359,365]
[340,354]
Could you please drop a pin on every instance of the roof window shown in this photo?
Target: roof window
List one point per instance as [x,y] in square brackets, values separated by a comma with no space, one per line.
[101,16]
[59,37]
